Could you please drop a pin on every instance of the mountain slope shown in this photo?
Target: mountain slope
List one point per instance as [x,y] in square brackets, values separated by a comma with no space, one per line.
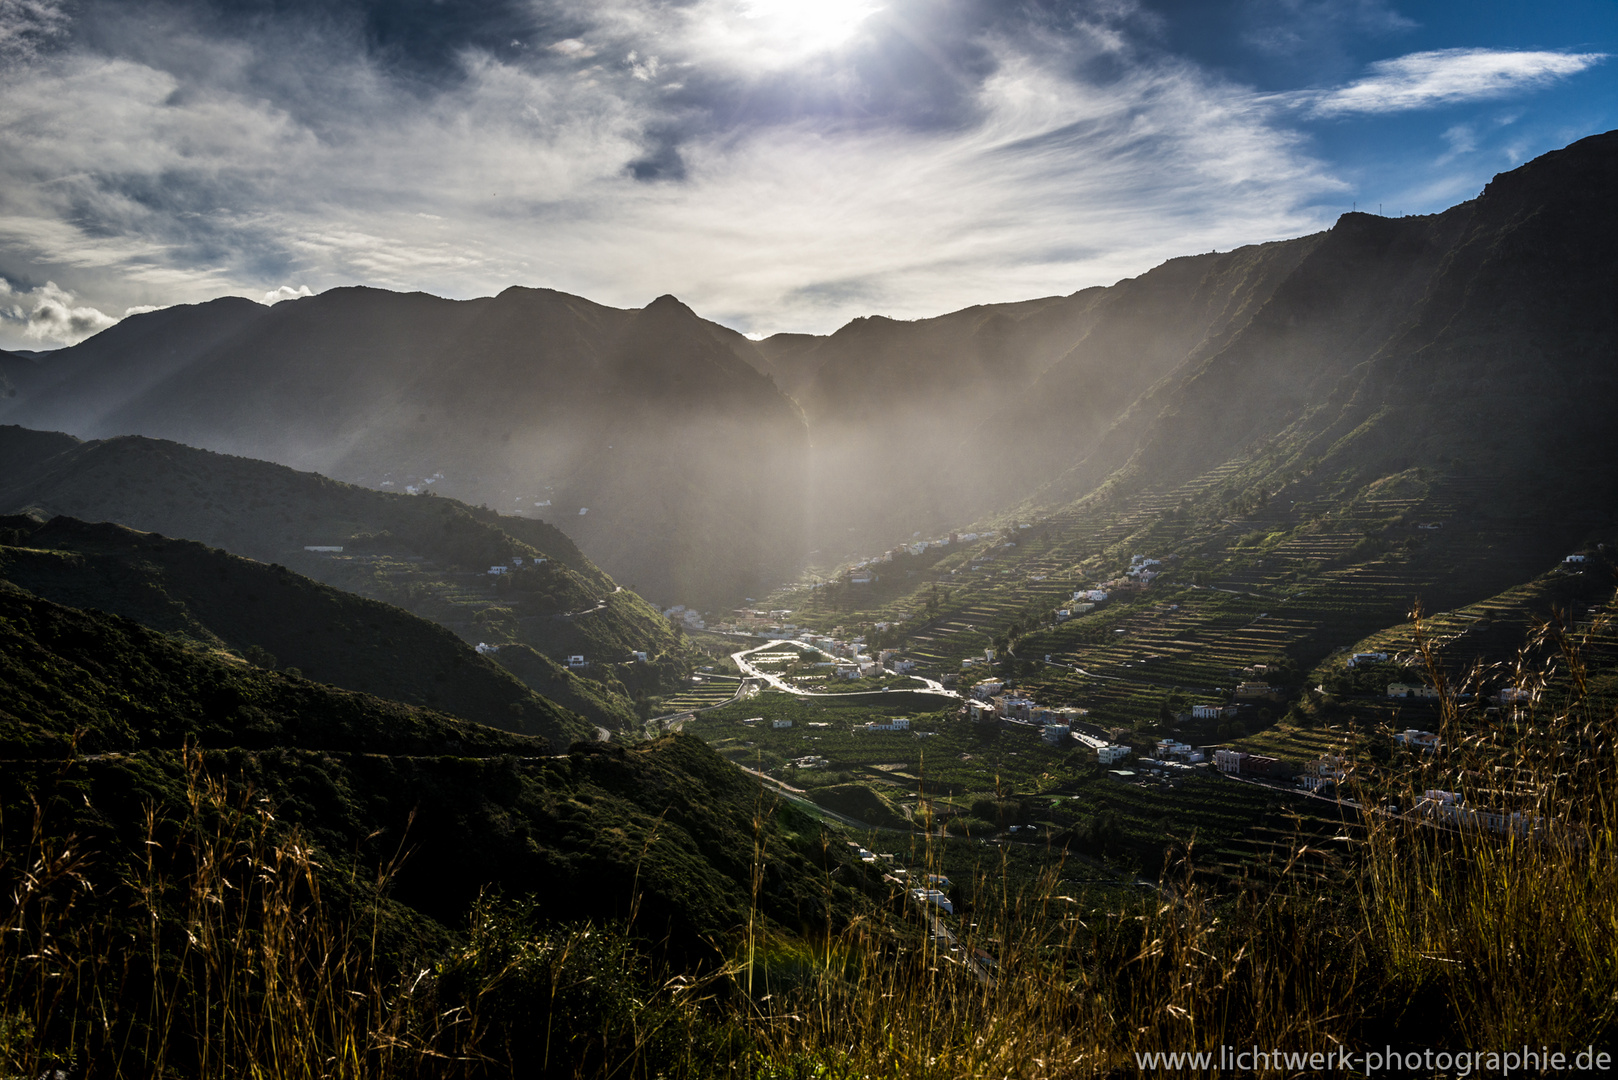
[1479,339]
[101,707]
[276,618]
[429,555]
[681,455]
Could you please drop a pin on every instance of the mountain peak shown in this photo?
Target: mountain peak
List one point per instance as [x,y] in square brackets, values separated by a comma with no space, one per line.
[667,302]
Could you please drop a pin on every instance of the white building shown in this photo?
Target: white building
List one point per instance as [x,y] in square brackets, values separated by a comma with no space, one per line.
[1111,754]
[1417,691]
[1419,740]
[932,896]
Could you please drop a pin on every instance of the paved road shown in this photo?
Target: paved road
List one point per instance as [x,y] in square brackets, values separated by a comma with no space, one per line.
[748,669]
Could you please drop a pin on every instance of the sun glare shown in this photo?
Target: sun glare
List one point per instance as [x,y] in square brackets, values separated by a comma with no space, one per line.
[805,26]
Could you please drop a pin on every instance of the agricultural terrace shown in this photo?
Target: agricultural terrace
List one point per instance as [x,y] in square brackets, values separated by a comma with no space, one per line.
[985,782]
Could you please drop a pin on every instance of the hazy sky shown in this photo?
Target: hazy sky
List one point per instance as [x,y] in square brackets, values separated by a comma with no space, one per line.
[777,164]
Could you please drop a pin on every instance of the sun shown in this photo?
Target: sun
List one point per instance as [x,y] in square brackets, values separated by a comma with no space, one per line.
[806,26]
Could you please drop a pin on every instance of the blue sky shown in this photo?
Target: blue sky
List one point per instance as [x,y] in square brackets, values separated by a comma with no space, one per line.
[777,164]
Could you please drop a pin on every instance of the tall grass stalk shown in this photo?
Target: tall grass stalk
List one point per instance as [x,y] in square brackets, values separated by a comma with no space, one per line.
[1491,863]
[227,960]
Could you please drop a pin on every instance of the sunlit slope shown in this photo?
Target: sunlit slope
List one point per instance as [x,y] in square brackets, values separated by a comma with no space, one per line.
[275,618]
[1477,340]
[686,458]
[429,555]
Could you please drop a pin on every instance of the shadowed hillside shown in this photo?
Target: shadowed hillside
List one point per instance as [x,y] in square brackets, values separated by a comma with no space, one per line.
[275,618]
[102,706]
[428,555]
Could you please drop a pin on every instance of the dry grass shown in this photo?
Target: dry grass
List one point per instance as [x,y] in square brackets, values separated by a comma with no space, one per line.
[241,965]
[232,962]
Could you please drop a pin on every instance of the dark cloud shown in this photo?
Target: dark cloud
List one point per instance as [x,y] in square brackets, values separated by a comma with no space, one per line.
[862,291]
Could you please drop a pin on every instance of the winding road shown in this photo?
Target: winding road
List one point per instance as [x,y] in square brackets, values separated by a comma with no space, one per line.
[751,671]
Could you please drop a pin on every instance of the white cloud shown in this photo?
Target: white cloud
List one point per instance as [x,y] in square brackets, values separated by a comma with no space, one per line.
[1444,77]
[286,292]
[572,47]
[27,24]
[48,314]
[137,186]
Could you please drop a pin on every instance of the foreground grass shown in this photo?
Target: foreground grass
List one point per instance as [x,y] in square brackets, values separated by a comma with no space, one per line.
[1421,927]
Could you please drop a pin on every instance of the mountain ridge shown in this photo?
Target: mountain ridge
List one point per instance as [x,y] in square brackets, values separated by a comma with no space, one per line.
[704,467]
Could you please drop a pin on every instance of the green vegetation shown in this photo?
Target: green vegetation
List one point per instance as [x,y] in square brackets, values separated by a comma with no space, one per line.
[426,554]
[274,618]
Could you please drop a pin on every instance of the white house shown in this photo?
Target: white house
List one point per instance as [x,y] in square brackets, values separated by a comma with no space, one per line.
[893,723]
[1420,740]
[780,724]
[576,662]
[1111,754]
[484,649]
[1367,658]
[497,570]
[1417,691]
[1206,712]
[932,896]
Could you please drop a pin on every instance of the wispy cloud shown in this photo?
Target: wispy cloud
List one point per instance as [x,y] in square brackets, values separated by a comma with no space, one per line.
[901,156]
[1444,77]
[28,25]
[1014,170]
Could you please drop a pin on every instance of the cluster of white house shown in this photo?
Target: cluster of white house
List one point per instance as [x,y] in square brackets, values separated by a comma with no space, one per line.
[689,617]
[517,561]
[924,888]
[1450,808]
[988,704]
